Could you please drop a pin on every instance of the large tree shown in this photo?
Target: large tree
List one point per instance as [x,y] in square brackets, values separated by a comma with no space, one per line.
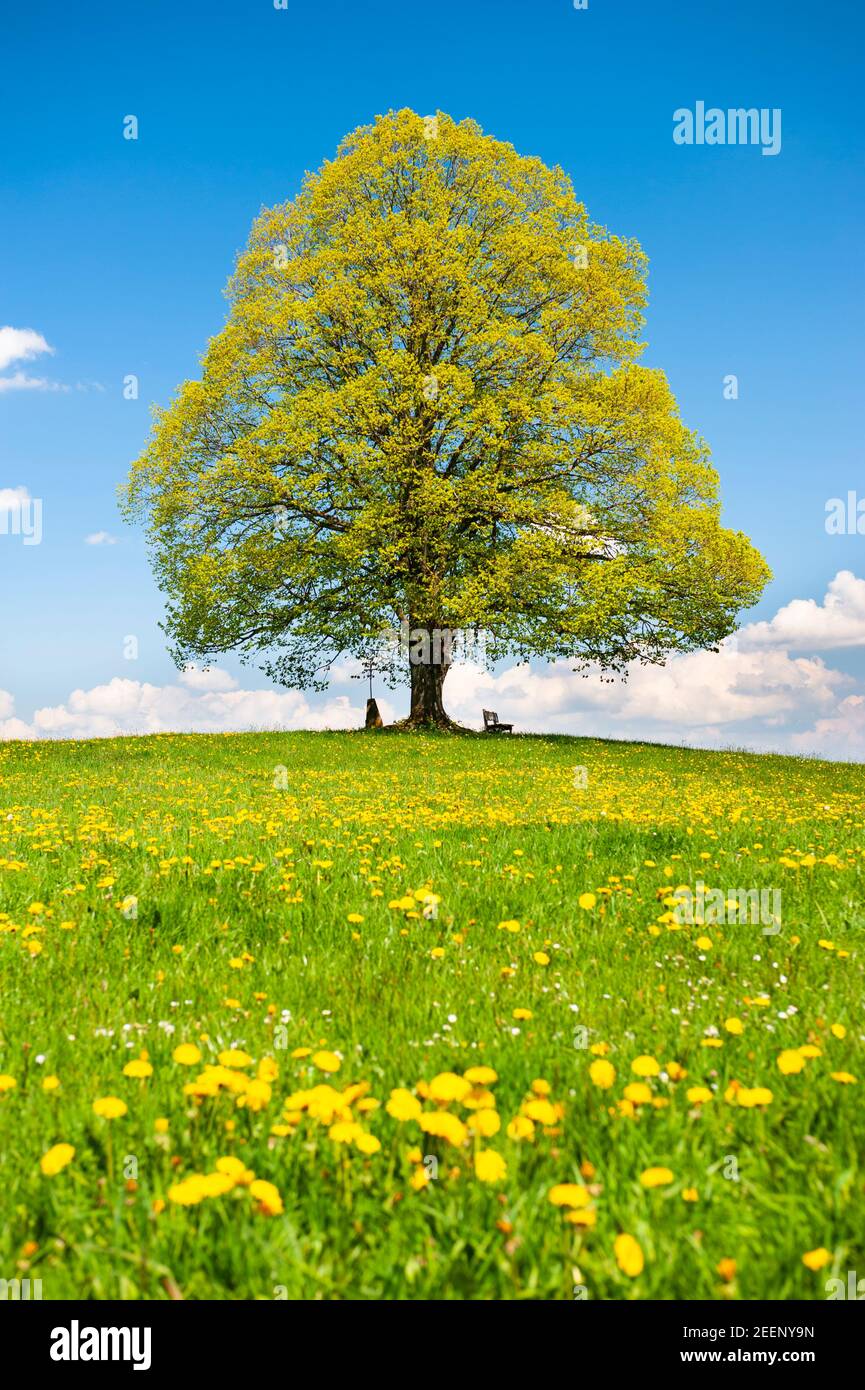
[425,413]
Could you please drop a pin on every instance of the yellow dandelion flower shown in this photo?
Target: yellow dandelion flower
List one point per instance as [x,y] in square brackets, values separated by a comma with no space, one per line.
[216,1184]
[138,1069]
[448,1087]
[445,1126]
[541,1111]
[568,1194]
[344,1132]
[752,1096]
[629,1255]
[367,1144]
[235,1059]
[57,1157]
[188,1192]
[698,1095]
[638,1093]
[790,1061]
[602,1074]
[816,1259]
[486,1123]
[656,1177]
[481,1076]
[403,1106]
[645,1066]
[256,1095]
[110,1107]
[520,1127]
[233,1168]
[326,1061]
[267,1196]
[489,1166]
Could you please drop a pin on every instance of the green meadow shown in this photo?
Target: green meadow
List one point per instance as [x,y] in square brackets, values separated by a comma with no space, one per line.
[393,1015]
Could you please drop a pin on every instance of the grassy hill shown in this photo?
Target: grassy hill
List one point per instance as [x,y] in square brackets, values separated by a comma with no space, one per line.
[437,997]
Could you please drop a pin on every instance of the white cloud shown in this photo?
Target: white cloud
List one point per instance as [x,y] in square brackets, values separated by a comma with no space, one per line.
[839,621]
[20,381]
[10,727]
[100,538]
[20,345]
[840,735]
[207,678]
[703,691]
[14,728]
[206,702]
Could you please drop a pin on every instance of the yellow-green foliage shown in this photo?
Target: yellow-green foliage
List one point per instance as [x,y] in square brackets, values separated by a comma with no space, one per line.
[426,405]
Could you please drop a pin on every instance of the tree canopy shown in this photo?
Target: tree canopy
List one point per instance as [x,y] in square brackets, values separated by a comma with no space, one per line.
[426,409]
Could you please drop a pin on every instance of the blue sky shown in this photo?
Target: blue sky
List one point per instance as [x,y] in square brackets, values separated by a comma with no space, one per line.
[116,253]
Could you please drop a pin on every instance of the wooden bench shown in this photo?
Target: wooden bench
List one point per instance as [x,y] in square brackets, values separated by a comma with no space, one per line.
[492,725]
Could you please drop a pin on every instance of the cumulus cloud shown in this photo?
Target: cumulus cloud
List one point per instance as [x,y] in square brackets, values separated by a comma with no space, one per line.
[207,678]
[839,735]
[10,727]
[804,624]
[100,538]
[703,691]
[22,345]
[206,702]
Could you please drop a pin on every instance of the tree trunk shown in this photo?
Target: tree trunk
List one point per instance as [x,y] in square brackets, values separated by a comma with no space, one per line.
[426,696]
[429,663]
